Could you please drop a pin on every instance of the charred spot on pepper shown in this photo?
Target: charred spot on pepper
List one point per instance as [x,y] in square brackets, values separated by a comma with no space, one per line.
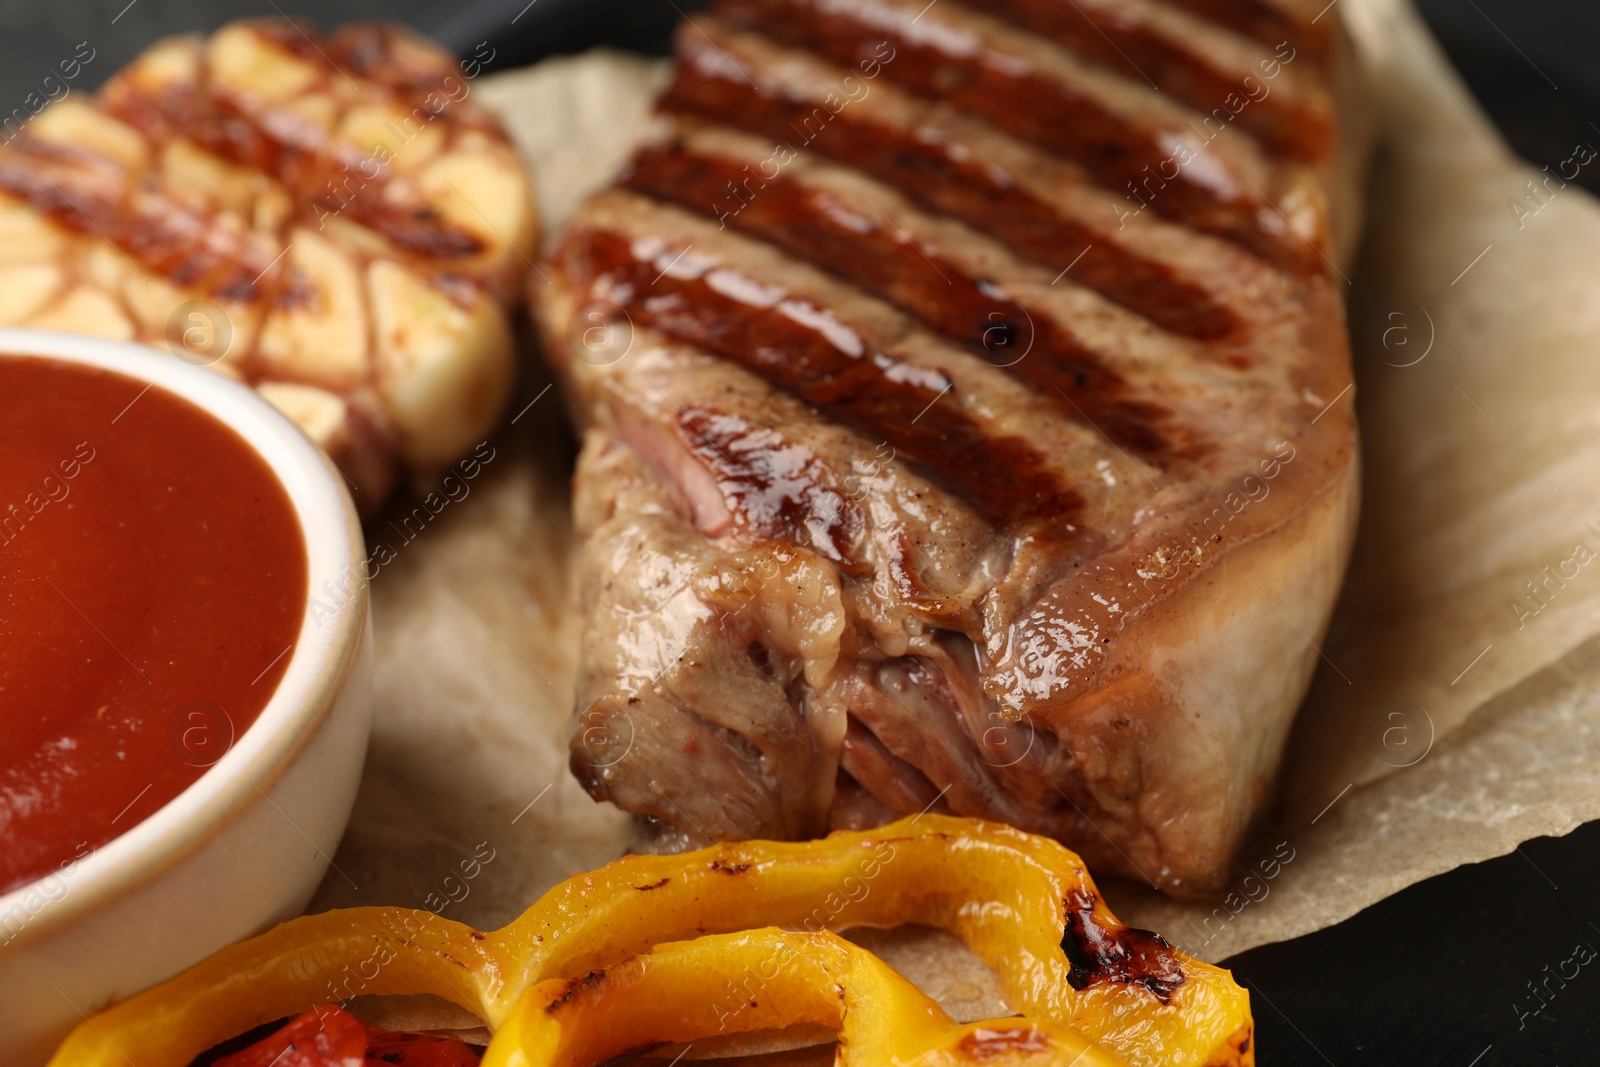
[653,885]
[1125,954]
[729,868]
[983,1043]
[575,987]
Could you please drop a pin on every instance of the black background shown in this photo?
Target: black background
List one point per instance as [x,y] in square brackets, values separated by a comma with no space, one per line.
[1435,974]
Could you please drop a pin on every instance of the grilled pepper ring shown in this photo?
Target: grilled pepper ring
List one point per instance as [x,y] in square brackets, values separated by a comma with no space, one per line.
[676,993]
[1024,904]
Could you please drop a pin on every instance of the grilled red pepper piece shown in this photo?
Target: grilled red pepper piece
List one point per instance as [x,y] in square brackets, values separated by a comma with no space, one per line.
[325,1036]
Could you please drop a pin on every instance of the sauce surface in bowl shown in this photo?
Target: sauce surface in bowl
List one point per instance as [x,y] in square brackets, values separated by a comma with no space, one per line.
[152,586]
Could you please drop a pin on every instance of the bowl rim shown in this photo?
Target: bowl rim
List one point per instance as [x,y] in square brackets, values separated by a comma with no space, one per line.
[321,662]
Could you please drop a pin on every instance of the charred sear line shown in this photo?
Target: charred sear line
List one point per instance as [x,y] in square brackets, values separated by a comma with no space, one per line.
[776,488]
[1128,47]
[1049,113]
[1003,333]
[1004,478]
[1125,954]
[1261,21]
[963,189]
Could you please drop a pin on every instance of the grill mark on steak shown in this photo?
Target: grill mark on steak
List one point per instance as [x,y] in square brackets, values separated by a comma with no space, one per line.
[804,350]
[1119,39]
[1264,21]
[648,396]
[777,487]
[965,188]
[1050,112]
[1034,349]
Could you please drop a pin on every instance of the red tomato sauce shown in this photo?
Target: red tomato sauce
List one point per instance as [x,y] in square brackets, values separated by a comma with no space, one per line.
[153,579]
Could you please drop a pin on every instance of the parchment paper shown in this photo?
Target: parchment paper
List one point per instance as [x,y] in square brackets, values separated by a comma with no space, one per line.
[1445,726]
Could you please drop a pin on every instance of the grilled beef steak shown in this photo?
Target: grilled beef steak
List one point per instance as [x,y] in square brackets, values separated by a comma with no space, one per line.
[967,421]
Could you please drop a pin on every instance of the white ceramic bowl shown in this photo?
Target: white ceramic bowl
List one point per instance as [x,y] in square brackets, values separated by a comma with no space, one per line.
[245,845]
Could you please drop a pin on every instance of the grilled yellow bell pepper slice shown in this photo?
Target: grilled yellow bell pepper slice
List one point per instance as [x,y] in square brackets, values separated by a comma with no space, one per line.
[676,994]
[1024,904]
